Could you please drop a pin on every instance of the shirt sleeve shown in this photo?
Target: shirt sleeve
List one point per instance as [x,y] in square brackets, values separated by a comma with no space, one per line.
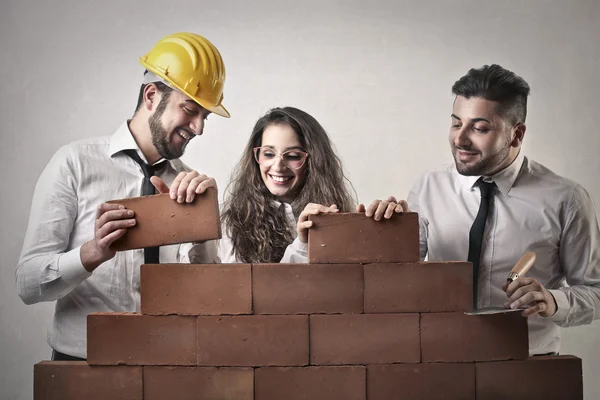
[580,260]
[225,249]
[414,204]
[199,253]
[295,253]
[48,269]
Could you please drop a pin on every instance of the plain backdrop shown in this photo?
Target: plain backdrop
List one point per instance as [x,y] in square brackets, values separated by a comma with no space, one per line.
[376,74]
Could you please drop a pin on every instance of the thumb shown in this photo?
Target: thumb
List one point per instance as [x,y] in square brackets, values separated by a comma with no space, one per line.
[159,184]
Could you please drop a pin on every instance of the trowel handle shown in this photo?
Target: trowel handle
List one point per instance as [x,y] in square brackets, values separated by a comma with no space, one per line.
[522,266]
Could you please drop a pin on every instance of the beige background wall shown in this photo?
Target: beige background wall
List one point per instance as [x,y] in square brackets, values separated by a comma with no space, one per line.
[376,74]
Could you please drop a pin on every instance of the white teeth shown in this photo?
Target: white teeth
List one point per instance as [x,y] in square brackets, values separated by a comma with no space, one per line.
[184,135]
[281,178]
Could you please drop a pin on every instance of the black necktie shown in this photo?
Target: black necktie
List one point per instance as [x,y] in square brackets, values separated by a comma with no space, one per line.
[477,231]
[151,254]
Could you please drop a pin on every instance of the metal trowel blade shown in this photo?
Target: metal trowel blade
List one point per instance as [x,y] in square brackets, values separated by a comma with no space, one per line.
[492,310]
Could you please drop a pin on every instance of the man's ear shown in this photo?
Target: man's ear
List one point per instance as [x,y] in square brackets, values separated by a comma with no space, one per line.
[151,96]
[519,134]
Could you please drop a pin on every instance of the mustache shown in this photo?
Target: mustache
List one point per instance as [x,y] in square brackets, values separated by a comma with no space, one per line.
[465,148]
[189,132]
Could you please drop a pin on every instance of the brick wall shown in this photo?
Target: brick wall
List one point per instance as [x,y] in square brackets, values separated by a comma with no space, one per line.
[350,325]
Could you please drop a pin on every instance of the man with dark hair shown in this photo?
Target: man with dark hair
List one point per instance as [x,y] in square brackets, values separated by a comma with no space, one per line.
[67,255]
[493,204]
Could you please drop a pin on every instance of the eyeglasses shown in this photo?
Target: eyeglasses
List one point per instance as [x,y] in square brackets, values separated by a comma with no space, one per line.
[293,159]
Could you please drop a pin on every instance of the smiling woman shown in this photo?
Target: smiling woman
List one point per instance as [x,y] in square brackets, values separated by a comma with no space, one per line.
[288,161]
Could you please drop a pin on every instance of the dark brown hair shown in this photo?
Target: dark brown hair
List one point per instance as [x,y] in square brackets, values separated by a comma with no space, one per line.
[492,82]
[254,222]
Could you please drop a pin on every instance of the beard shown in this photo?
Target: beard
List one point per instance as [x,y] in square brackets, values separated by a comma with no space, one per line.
[483,166]
[160,136]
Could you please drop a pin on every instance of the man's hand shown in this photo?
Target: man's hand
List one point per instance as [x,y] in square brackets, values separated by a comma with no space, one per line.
[385,209]
[311,209]
[112,221]
[186,186]
[531,293]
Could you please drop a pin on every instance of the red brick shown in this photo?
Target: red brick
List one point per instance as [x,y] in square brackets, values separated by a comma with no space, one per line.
[364,339]
[253,340]
[418,287]
[76,380]
[557,377]
[186,383]
[161,221]
[193,289]
[421,381]
[456,337]
[354,238]
[331,383]
[135,339]
[307,289]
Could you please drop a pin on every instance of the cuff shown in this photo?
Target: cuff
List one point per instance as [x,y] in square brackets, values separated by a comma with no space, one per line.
[562,305]
[71,268]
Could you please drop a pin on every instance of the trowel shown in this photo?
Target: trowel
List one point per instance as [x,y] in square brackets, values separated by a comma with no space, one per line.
[520,269]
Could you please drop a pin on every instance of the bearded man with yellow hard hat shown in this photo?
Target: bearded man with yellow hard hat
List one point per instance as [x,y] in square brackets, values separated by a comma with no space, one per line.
[66,255]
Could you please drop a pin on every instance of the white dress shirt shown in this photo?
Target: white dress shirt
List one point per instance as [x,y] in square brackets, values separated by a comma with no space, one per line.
[78,178]
[296,252]
[532,209]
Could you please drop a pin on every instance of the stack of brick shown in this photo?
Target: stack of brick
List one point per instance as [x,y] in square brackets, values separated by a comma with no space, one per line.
[363,320]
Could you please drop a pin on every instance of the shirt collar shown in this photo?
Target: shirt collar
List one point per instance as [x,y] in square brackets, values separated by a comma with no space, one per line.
[504,179]
[123,139]
[278,204]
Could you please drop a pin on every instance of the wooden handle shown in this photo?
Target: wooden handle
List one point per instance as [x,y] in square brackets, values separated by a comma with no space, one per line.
[522,266]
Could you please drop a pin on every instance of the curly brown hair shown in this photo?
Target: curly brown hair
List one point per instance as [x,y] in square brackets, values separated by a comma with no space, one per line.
[254,222]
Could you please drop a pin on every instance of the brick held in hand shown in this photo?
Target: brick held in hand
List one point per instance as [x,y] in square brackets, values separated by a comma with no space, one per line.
[456,337]
[308,383]
[135,339]
[454,381]
[540,377]
[196,289]
[76,380]
[184,383]
[307,289]
[418,287]
[355,238]
[162,221]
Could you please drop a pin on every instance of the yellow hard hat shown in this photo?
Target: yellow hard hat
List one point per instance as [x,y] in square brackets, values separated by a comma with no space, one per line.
[192,64]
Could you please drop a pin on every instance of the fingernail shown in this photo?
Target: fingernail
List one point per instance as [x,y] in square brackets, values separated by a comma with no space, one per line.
[513,306]
[189,199]
[173,195]
[130,213]
[180,199]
